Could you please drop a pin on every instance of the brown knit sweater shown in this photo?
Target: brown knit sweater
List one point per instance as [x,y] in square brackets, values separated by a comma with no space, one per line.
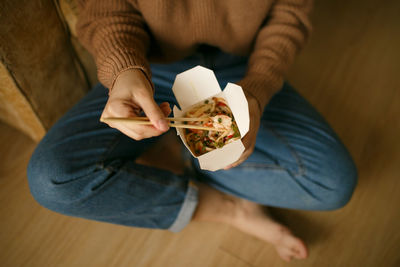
[125,34]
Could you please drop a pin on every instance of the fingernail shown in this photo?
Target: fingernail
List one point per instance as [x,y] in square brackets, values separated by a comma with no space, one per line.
[162,125]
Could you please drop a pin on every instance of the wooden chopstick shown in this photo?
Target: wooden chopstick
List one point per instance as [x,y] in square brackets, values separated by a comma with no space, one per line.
[171,119]
[145,121]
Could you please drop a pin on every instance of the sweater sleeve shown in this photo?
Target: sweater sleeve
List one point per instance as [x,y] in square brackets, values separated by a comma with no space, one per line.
[115,33]
[283,34]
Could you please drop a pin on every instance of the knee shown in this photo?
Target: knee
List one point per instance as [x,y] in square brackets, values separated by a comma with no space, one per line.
[44,174]
[342,191]
[337,181]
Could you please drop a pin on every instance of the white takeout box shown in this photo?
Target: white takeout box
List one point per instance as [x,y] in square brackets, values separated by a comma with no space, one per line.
[194,86]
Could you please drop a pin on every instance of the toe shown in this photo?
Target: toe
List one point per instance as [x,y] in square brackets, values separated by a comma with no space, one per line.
[298,248]
[295,246]
[285,255]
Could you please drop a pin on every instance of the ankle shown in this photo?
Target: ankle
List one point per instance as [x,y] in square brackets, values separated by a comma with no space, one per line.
[214,206]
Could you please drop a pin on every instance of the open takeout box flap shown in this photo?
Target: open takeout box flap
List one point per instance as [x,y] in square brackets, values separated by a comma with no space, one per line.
[179,113]
[194,85]
[222,157]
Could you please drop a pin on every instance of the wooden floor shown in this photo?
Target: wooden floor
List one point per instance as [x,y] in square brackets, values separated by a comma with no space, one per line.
[350,71]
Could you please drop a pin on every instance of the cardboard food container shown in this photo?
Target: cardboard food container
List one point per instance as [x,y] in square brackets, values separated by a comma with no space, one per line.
[198,84]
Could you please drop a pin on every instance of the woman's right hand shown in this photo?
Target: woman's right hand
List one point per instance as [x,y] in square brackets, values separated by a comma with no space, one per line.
[132,94]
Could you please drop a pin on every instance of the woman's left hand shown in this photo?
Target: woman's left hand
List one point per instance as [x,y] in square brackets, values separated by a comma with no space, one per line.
[249,140]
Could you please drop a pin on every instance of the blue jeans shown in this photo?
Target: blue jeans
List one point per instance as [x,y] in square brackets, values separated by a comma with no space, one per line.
[85,169]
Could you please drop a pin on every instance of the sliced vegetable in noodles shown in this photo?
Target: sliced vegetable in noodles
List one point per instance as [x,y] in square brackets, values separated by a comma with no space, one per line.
[220,117]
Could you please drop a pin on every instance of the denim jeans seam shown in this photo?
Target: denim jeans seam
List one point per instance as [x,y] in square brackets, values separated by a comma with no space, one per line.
[301,171]
[111,168]
[293,152]
[113,143]
[99,163]
[256,165]
[155,181]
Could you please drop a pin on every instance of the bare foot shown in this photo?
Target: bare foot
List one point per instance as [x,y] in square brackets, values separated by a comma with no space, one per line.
[250,218]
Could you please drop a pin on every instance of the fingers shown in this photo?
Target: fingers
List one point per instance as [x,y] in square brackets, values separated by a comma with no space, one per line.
[152,110]
[124,108]
[132,94]
[165,108]
[138,133]
[135,131]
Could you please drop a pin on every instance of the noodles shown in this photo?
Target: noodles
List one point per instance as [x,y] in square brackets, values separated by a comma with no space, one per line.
[220,117]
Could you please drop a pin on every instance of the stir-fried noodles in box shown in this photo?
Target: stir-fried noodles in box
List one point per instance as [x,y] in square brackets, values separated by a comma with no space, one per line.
[218,115]
[199,96]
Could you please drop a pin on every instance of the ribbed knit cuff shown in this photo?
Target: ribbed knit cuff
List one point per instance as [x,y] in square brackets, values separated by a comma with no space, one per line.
[117,62]
[261,87]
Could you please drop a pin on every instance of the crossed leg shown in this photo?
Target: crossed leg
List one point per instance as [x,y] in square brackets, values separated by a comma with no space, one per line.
[85,169]
[298,163]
